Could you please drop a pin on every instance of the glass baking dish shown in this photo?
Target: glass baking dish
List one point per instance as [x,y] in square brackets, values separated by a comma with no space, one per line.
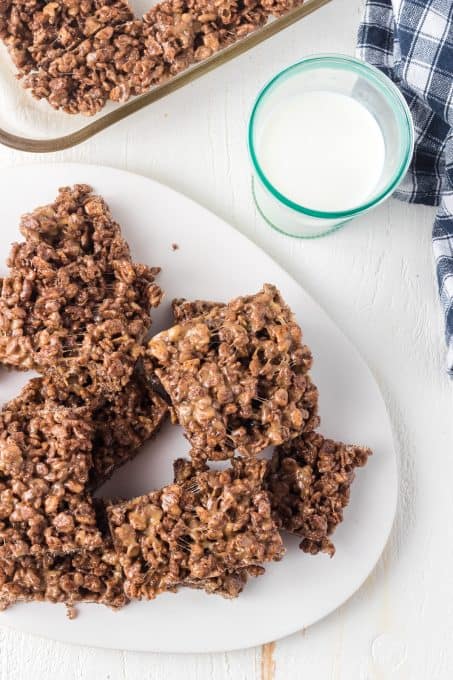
[30,125]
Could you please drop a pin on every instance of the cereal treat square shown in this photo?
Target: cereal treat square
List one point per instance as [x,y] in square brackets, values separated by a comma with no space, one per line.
[37,32]
[45,461]
[83,577]
[122,424]
[74,305]
[112,64]
[237,376]
[309,481]
[182,34]
[206,532]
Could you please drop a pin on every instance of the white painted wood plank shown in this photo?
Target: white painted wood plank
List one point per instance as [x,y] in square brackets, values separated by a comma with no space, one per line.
[241,665]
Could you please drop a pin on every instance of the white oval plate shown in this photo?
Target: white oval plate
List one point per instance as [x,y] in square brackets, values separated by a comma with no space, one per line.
[215,261]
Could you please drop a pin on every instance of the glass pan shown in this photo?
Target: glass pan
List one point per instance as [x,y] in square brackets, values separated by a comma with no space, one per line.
[30,125]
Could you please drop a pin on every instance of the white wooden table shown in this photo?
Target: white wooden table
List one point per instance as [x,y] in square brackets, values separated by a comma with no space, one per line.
[376,279]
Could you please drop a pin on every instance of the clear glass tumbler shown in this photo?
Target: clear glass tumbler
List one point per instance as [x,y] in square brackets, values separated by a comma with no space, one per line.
[368,86]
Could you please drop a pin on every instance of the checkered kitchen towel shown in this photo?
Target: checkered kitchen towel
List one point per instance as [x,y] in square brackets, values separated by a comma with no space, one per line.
[412,42]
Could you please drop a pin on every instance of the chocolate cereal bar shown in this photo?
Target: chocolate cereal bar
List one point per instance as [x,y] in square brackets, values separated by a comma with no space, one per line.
[237,376]
[309,482]
[74,305]
[120,423]
[204,532]
[83,577]
[45,461]
[37,32]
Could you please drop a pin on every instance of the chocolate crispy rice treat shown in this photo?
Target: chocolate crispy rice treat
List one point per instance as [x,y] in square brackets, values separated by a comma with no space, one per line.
[45,460]
[113,64]
[74,305]
[121,423]
[82,577]
[237,376]
[36,32]
[206,532]
[309,482]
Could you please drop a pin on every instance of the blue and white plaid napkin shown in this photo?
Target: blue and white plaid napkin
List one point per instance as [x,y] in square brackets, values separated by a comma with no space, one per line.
[412,42]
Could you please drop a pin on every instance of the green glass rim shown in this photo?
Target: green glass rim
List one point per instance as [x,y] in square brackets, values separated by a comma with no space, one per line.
[383,84]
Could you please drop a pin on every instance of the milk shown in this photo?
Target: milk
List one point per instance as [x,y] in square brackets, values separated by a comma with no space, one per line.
[322,150]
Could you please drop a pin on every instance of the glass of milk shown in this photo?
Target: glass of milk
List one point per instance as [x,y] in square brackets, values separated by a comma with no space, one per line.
[330,138]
